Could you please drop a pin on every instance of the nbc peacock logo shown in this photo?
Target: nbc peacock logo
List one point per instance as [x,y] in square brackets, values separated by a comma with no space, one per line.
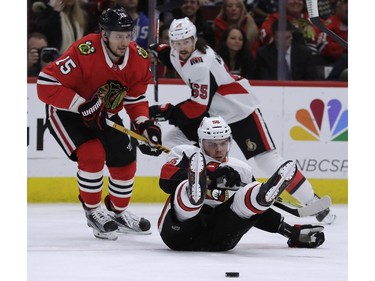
[322,122]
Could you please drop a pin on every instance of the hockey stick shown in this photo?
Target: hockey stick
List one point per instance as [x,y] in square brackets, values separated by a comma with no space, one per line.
[304,211]
[134,135]
[313,11]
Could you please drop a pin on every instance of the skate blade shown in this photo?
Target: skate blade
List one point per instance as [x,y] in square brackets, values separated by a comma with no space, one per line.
[127,230]
[329,219]
[105,235]
[197,165]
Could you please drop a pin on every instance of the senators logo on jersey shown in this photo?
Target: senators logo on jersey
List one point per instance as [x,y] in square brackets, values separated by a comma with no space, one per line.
[112,93]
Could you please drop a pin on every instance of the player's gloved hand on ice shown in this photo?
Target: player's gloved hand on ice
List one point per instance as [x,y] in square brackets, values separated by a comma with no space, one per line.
[230,176]
[161,52]
[161,112]
[150,129]
[94,113]
[306,236]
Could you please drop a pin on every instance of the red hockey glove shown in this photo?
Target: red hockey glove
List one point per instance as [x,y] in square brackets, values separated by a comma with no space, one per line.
[306,236]
[93,113]
[151,130]
[161,52]
[161,112]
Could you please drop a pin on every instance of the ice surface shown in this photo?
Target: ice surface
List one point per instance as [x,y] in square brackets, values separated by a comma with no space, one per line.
[62,248]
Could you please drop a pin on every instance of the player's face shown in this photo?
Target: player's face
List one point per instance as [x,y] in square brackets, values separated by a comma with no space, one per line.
[184,47]
[217,149]
[119,42]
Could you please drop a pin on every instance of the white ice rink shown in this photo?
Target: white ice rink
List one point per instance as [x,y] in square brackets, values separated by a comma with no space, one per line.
[62,248]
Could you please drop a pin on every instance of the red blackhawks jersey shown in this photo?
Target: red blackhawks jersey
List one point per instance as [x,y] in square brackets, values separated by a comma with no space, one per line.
[213,88]
[173,172]
[85,69]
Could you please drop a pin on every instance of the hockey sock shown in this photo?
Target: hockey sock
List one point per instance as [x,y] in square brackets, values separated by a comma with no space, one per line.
[184,210]
[90,187]
[245,204]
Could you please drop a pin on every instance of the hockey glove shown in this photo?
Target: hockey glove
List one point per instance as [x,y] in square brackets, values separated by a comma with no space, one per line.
[161,52]
[306,236]
[161,112]
[93,114]
[150,129]
[229,175]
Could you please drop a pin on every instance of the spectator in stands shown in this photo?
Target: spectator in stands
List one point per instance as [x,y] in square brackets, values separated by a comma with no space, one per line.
[234,51]
[94,9]
[140,20]
[35,43]
[338,23]
[62,21]
[305,32]
[192,10]
[326,8]
[234,13]
[261,9]
[339,71]
[299,65]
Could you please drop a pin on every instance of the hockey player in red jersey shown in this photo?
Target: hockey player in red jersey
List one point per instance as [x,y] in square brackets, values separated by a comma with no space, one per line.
[94,79]
[215,91]
[214,200]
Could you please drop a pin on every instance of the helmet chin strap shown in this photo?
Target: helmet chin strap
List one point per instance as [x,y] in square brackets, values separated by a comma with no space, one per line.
[106,42]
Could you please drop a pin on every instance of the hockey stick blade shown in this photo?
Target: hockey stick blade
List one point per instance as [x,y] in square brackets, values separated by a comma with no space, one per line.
[305,211]
[316,21]
[134,135]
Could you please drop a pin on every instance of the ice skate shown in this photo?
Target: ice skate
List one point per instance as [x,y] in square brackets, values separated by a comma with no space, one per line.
[325,216]
[197,180]
[101,223]
[276,184]
[126,221]
[130,223]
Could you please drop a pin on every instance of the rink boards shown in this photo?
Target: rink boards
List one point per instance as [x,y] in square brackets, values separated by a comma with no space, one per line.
[308,122]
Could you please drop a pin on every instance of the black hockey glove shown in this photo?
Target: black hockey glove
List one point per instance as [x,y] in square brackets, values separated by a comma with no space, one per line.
[161,112]
[150,129]
[230,176]
[93,114]
[161,52]
[306,236]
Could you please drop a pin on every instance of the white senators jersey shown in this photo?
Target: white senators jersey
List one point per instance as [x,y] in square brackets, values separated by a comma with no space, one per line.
[213,87]
[176,161]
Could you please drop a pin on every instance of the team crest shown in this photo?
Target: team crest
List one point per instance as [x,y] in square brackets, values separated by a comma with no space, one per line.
[142,52]
[86,48]
[251,146]
[112,93]
[221,195]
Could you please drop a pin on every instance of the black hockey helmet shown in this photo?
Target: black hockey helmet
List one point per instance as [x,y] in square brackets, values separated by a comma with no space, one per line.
[116,19]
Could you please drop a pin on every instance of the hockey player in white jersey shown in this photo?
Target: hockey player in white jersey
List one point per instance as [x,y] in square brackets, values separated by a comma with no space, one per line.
[217,92]
[214,199]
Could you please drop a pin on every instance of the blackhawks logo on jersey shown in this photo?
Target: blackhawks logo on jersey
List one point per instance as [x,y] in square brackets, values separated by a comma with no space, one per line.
[112,93]
[142,52]
[86,48]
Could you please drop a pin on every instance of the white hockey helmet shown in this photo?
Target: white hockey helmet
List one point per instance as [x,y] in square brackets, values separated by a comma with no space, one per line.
[182,29]
[214,128]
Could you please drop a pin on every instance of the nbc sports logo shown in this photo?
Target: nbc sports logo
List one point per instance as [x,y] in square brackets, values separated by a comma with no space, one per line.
[321,122]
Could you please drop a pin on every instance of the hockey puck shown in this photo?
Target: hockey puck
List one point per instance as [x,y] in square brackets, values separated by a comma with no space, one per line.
[232,274]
